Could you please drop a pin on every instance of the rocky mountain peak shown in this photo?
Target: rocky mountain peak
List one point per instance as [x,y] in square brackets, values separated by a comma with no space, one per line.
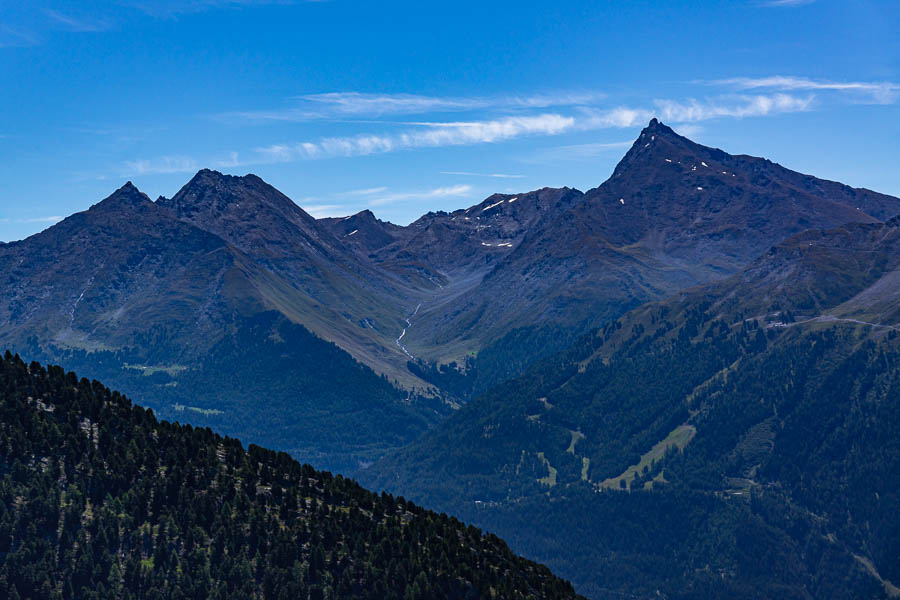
[211,197]
[658,145]
[364,216]
[126,196]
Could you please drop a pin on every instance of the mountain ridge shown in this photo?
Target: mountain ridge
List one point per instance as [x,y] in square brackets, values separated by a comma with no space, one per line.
[665,220]
[442,309]
[754,389]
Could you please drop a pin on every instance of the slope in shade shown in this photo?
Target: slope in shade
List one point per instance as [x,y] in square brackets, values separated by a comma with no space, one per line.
[738,439]
[169,311]
[272,381]
[323,283]
[100,500]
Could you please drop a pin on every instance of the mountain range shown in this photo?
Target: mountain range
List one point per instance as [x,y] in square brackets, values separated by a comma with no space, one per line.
[681,383]
[760,411]
[353,320]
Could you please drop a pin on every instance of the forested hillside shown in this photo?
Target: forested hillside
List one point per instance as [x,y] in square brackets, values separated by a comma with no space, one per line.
[270,382]
[739,440]
[99,499]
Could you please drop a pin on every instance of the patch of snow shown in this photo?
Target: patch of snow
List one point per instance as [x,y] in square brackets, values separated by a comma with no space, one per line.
[485,244]
[646,145]
[514,199]
[345,218]
[724,173]
[493,205]
[704,164]
[699,189]
[668,160]
[693,167]
[652,137]
[505,245]
[621,200]
[352,232]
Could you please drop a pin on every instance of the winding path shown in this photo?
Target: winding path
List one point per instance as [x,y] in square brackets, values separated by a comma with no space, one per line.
[832,318]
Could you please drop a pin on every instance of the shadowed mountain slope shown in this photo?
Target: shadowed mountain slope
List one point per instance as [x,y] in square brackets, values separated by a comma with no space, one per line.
[333,291]
[735,440]
[99,276]
[363,231]
[169,312]
[98,499]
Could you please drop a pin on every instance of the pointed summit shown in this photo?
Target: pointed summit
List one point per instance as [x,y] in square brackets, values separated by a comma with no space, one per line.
[250,214]
[209,181]
[657,127]
[211,195]
[362,229]
[658,145]
[126,196]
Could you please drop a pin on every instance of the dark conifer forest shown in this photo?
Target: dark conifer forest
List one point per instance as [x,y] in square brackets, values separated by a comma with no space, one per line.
[99,499]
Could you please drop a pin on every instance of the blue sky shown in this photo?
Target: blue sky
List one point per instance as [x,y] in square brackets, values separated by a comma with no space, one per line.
[406,107]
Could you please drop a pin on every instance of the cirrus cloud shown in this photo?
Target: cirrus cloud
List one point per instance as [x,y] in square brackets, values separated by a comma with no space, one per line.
[429,135]
[454,191]
[333,105]
[878,92]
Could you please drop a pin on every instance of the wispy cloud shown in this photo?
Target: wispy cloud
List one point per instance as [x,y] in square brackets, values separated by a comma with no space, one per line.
[18,221]
[232,159]
[881,92]
[161,165]
[746,106]
[14,37]
[429,135]
[183,164]
[321,211]
[692,110]
[73,23]
[173,8]
[578,152]
[356,104]
[433,134]
[688,129]
[31,24]
[441,192]
[374,197]
[364,192]
[786,3]
[495,175]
